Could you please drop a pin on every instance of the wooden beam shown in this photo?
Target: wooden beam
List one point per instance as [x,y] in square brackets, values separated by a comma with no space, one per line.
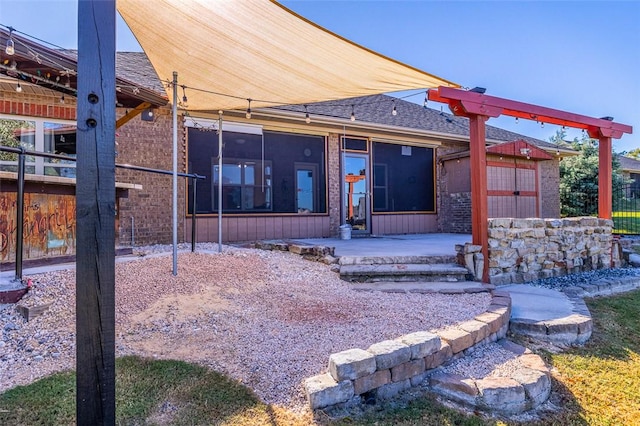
[605,179]
[478,103]
[132,114]
[479,203]
[95,214]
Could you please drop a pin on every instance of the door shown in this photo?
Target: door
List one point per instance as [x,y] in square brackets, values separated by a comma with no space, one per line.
[512,189]
[356,193]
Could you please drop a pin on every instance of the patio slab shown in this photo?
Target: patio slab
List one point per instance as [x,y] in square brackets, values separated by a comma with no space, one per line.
[393,245]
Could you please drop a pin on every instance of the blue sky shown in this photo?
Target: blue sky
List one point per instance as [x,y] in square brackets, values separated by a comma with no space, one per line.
[577,56]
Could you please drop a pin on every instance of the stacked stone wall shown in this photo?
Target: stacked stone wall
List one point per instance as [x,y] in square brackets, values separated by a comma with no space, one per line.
[522,250]
[392,366]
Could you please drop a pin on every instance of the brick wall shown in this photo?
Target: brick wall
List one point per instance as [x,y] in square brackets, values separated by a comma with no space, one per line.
[453,199]
[149,144]
[549,175]
[37,105]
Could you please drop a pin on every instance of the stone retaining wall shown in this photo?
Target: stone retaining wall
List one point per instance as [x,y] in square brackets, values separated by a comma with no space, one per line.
[389,367]
[522,250]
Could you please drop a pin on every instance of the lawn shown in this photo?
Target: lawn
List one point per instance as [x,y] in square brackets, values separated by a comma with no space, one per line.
[626,222]
[596,385]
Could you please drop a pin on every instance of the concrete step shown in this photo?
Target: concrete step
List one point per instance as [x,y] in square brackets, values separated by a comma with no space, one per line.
[448,287]
[388,260]
[447,272]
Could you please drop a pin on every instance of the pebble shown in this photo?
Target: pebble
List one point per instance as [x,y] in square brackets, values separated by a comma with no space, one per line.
[585,277]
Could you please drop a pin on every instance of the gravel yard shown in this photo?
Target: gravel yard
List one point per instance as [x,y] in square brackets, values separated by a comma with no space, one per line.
[267,319]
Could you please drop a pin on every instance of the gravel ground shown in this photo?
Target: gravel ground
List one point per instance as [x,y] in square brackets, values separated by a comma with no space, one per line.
[559,283]
[490,360]
[267,319]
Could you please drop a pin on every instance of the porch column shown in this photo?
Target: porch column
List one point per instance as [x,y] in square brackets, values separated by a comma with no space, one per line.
[479,203]
[604,177]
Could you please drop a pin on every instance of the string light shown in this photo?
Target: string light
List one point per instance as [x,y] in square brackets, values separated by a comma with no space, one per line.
[13,66]
[353,113]
[516,120]
[542,124]
[184,97]
[62,99]
[11,46]
[18,88]
[426,100]
[394,112]
[248,114]
[307,119]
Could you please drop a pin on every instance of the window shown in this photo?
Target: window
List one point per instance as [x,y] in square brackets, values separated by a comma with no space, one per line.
[39,135]
[403,178]
[262,173]
[245,186]
[306,187]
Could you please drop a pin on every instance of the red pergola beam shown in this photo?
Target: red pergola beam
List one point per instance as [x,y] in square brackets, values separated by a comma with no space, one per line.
[464,102]
[479,107]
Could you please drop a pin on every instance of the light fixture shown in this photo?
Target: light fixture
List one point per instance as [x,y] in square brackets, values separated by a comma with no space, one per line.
[18,88]
[480,90]
[67,84]
[147,115]
[307,119]
[542,124]
[248,114]
[184,97]
[13,66]
[353,113]
[426,100]
[608,118]
[11,46]
[394,111]
[62,99]
[516,120]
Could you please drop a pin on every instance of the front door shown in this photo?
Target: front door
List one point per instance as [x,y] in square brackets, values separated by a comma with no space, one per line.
[356,193]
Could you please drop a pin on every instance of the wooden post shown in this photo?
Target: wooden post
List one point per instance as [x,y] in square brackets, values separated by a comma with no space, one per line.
[479,204]
[604,178]
[95,214]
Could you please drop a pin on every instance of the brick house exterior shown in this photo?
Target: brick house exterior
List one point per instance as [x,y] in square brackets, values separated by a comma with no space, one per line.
[434,138]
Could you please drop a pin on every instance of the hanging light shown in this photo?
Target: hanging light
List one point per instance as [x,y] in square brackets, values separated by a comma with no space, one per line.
[18,88]
[394,111]
[542,124]
[11,46]
[13,66]
[516,120]
[67,84]
[62,99]
[184,97]
[353,113]
[248,114]
[307,119]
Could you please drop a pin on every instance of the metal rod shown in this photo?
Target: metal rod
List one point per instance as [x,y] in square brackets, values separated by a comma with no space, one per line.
[132,232]
[20,215]
[120,166]
[193,217]
[174,109]
[220,182]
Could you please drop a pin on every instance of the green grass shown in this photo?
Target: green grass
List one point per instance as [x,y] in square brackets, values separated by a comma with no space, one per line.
[626,222]
[598,384]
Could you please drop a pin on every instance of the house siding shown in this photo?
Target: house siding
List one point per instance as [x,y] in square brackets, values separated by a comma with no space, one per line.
[549,175]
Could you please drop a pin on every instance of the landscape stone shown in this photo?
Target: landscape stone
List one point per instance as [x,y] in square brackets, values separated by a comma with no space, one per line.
[439,357]
[421,343]
[372,381]
[458,339]
[390,353]
[456,387]
[501,394]
[351,364]
[407,370]
[322,391]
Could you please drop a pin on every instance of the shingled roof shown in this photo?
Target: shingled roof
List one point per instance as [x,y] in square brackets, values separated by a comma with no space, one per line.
[629,164]
[377,109]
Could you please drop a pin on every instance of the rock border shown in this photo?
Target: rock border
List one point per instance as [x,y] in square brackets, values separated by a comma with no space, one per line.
[387,368]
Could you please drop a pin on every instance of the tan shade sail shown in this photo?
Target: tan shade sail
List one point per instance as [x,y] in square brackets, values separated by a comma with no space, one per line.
[259,50]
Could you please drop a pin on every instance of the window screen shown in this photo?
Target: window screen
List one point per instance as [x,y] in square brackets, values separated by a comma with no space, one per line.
[403,178]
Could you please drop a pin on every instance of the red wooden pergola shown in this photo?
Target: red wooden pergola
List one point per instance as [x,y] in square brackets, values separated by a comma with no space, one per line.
[478,108]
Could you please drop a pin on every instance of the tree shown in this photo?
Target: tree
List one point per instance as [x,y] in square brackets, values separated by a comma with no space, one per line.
[579,176]
[8,129]
[634,153]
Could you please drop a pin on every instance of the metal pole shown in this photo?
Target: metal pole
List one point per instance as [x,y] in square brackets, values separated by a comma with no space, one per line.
[193,217]
[20,216]
[174,109]
[220,182]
